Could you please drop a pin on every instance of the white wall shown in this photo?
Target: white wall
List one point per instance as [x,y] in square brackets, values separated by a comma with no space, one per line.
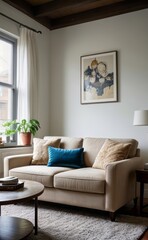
[128,34]
[59,51]
[43,47]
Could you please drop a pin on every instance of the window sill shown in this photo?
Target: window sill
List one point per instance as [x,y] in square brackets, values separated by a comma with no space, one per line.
[14,146]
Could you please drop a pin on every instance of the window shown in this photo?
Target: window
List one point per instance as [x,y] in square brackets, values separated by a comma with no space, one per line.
[8,91]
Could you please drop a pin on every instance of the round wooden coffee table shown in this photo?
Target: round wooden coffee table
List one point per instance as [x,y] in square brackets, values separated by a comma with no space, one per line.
[13,228]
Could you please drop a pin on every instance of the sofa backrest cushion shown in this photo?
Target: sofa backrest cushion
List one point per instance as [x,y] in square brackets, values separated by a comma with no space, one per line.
[40,149]
[69,142]
[93,145]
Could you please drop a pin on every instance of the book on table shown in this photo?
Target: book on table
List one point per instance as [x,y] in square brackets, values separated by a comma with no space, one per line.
[9,180]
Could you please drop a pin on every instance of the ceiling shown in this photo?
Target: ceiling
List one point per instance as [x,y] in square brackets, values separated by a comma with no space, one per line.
[56,14]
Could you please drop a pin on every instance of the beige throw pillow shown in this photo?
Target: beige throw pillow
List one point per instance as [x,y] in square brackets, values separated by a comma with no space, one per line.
[111,151]
[40,149]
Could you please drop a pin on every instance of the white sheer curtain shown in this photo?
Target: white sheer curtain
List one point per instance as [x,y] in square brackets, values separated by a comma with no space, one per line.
[27,75]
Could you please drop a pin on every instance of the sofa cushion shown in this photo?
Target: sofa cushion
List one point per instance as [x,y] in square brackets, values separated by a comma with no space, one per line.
[91,148]
[41,173]
[111,151]
[133,148]
[40,149]
[65,157]
[93,145]
[83,180]
[68,142]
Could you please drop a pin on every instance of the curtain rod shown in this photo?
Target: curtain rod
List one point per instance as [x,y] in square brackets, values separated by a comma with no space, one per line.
[20,23]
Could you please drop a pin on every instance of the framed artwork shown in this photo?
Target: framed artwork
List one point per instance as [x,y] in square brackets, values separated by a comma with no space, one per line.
[99,77]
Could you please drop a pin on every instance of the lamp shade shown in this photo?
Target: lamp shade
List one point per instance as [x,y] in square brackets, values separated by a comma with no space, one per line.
[141,118]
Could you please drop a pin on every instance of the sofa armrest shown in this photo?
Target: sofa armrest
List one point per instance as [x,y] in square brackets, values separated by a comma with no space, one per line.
[121,182]
[16,161]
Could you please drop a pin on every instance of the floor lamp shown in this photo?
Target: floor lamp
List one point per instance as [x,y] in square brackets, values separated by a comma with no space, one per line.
[141,119]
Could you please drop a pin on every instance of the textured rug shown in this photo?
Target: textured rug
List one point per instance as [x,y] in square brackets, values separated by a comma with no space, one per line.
[59,222]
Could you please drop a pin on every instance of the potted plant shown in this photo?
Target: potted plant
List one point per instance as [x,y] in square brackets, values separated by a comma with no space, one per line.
[10,129]
[24,127]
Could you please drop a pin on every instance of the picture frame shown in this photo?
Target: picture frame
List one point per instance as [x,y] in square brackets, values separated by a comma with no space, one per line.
[98,78]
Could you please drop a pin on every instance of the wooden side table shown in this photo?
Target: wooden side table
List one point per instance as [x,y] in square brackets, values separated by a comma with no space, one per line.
[142,177]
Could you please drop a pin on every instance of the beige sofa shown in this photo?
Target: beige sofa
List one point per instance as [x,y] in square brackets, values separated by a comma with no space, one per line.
[104,189]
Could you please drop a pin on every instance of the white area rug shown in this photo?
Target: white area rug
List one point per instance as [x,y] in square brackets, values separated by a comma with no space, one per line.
[58,222]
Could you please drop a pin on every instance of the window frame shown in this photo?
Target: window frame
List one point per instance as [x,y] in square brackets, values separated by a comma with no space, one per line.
[13,86]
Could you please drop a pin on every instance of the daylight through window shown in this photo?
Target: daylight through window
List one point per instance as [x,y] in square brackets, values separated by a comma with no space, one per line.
[8,98]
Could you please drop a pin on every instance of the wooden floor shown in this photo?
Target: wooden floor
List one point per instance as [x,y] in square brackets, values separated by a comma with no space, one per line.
[145,237]
[130,209]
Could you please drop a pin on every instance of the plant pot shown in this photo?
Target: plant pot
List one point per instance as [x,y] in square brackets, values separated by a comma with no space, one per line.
[8,139]
[25,138]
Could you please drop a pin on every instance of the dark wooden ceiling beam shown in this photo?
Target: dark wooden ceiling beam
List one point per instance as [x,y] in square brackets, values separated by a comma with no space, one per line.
[99,13]
[60,5]
[120,7]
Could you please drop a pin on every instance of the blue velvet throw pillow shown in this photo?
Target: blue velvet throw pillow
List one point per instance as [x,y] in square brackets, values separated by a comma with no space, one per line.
[72,158]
